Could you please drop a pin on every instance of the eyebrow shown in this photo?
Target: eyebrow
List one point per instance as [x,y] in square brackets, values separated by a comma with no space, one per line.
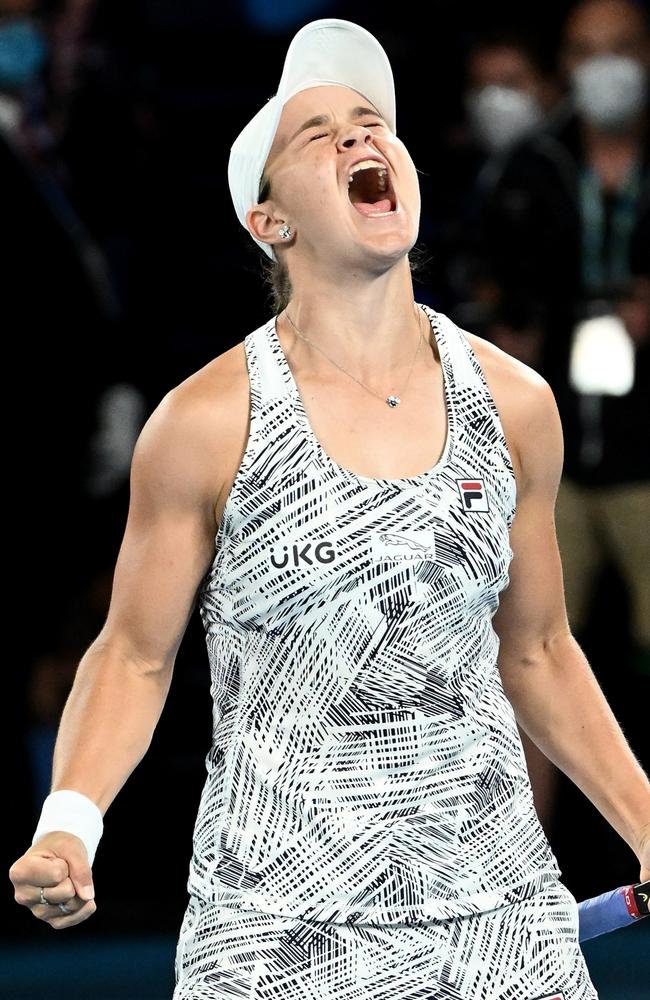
[359,112]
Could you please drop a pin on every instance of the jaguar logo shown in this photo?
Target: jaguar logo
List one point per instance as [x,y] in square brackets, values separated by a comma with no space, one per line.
[406,545]
[401,540]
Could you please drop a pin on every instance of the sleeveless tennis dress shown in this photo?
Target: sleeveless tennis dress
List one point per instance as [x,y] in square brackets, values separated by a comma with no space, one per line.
[366,783]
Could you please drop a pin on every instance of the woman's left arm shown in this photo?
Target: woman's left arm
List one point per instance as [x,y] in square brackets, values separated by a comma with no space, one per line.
[555,696]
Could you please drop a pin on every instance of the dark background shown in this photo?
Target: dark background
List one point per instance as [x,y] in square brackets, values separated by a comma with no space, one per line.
[125,263]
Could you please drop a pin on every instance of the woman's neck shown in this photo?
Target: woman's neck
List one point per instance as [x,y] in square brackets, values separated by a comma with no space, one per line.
[370,327]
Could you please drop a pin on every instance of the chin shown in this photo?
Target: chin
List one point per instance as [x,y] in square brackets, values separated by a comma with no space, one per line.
[390,245]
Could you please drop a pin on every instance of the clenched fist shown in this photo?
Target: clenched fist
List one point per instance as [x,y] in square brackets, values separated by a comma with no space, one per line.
[57,863]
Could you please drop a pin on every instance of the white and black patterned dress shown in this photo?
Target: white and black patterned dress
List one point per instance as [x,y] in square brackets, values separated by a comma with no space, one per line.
[365,767]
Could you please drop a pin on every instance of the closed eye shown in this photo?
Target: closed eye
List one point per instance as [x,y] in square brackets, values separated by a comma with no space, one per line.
[323,135]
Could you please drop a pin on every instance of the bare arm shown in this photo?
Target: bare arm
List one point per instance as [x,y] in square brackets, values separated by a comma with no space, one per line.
[181,464]
[123,678]
[555,695]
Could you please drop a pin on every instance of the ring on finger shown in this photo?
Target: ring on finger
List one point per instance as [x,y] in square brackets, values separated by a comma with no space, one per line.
[43,899]
[63,908]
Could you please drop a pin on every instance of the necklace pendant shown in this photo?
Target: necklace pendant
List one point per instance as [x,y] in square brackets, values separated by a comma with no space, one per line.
[393,400]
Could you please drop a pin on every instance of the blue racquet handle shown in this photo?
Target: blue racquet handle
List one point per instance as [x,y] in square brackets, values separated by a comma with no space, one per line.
[612,910]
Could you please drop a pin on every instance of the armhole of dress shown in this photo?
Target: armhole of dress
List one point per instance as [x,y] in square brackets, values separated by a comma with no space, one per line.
[252,441]
[501,440]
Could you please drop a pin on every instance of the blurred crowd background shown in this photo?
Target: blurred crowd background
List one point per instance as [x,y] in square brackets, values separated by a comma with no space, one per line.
[124,270]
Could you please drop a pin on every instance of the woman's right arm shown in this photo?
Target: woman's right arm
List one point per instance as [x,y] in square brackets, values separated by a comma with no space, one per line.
[122,680]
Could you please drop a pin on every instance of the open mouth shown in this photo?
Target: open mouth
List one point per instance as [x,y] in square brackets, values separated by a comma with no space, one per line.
[370,189]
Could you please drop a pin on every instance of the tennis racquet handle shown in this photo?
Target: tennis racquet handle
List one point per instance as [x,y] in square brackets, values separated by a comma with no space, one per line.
[612,910]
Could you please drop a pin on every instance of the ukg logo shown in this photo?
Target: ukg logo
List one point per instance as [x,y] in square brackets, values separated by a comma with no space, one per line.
[302,554]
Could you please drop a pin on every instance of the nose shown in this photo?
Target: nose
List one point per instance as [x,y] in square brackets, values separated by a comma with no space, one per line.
[352,135]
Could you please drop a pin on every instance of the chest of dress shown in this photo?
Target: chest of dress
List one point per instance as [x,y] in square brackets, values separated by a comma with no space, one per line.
[303,544]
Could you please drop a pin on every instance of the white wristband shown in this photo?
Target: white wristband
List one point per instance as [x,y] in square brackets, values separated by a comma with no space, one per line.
[74,813]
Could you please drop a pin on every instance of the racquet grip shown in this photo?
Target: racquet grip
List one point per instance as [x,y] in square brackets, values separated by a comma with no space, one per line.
[612,910]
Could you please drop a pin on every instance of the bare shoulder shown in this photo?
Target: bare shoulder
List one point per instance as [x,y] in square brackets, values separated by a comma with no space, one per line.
[210,392]
[525,402]
[200,427]
[502,370]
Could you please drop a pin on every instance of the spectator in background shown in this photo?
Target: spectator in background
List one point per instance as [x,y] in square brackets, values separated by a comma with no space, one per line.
[566,232]
[509,91]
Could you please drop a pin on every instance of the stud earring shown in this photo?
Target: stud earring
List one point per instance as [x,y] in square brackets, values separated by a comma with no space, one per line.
[285,232]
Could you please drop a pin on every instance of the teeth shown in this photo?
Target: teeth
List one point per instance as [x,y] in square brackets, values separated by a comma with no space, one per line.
[370,165]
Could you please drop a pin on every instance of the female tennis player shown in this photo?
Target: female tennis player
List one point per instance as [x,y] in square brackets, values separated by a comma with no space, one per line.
[383,604]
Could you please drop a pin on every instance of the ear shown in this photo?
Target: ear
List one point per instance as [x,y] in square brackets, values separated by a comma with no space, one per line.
[264,223]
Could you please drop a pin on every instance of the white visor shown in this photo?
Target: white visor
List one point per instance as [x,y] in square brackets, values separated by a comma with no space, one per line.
[329,51]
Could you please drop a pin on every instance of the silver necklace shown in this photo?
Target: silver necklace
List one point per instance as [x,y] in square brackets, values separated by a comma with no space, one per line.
[391,400]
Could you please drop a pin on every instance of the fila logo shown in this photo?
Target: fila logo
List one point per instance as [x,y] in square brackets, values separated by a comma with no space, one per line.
[552,996]
[473,495]
[304,554]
